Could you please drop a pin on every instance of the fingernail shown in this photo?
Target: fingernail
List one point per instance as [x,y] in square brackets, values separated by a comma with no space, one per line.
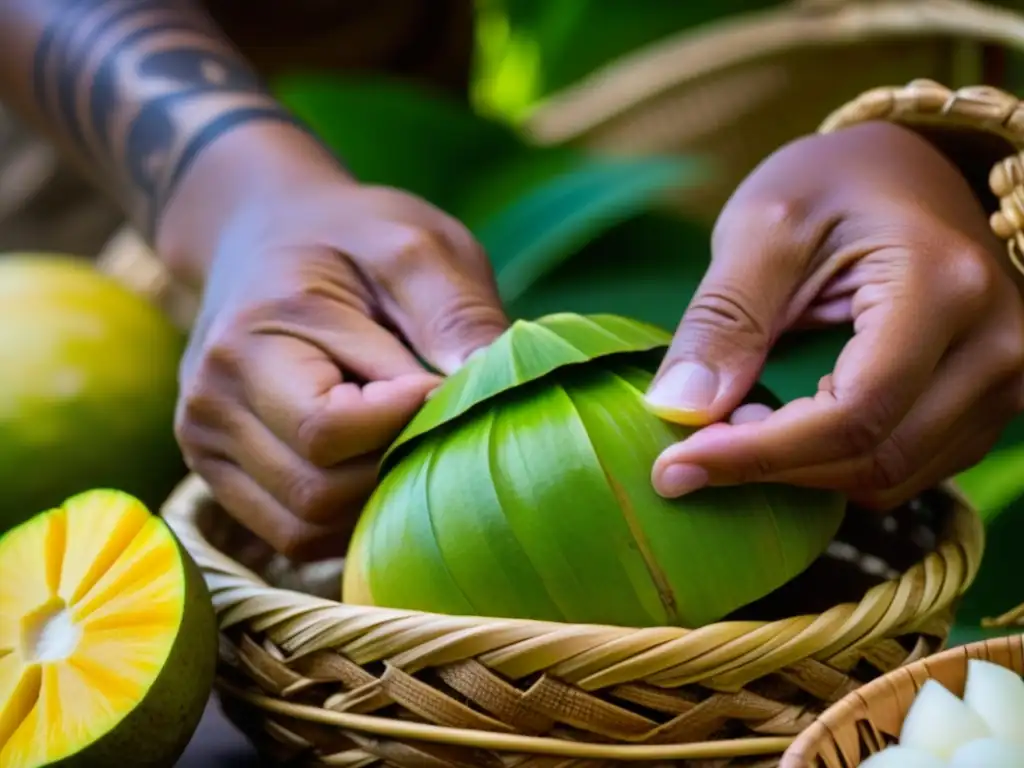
[750,413]
[453,362]
[680,479]
[684,387]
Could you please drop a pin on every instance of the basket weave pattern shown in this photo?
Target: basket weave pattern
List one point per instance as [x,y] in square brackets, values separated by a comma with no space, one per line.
[335,684]
[870,719]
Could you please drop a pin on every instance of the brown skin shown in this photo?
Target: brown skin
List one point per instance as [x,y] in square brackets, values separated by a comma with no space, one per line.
[317,289]
[870,226]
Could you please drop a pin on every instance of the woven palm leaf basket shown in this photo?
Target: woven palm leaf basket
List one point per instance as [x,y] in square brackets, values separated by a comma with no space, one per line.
[869,719]
[313,681]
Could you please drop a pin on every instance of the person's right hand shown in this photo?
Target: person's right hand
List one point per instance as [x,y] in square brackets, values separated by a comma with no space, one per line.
[299,371]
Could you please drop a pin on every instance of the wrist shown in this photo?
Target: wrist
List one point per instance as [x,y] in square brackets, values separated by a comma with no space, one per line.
[249,167]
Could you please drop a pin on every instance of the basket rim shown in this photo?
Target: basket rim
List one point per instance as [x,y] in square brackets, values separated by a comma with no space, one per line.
[950,568]
[844,713]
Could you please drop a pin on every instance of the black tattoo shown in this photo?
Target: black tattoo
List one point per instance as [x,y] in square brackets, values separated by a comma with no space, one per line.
[141,88]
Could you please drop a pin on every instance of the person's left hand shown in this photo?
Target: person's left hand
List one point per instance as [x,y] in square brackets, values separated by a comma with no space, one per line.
[870,225]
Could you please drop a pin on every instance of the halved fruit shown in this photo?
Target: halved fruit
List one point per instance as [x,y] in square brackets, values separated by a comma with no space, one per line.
[108,638]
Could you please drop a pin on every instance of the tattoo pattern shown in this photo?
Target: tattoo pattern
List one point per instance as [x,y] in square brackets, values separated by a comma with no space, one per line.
[141,87]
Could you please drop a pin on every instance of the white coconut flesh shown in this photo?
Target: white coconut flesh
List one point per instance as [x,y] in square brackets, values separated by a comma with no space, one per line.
[984,729]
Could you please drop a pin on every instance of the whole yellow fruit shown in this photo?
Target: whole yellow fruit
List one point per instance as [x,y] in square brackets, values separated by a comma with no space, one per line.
[88,387]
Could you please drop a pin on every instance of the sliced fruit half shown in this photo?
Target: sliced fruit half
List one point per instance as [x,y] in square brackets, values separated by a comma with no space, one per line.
[108,639]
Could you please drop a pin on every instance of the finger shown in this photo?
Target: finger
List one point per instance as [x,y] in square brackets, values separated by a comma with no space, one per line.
[342,332]
[750,413]
[741,306]
[262,514]
[319,495]
[963,451]
[300,397]
[902,333]
[443,301]
[963,399]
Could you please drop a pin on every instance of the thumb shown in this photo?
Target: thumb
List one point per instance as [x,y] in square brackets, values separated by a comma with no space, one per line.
[725,335]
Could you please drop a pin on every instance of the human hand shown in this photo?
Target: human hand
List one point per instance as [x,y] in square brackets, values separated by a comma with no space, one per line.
[299,370]
[873,226]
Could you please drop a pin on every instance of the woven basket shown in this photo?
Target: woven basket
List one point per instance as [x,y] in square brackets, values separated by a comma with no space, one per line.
[317,682]
[870,719]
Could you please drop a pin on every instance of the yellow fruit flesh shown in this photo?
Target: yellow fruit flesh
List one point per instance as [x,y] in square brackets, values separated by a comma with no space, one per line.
[91,600]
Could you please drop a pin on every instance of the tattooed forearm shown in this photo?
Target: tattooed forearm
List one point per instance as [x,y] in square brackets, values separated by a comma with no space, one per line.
[139,88]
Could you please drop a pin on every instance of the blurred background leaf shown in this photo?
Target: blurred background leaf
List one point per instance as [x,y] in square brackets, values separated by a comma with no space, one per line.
[392,133]
[536,232]
[529,49]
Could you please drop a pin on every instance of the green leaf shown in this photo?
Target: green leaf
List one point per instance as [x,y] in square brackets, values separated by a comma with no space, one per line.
[398,134]
[534,233]
[526,352]
[996,483]
[996,488]
[543,508]
[573,38]
[694,545]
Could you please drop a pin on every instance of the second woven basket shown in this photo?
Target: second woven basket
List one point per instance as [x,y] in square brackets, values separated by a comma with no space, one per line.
[317,682]
[870,718]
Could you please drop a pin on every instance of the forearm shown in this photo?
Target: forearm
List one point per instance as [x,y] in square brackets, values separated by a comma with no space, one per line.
[138,91]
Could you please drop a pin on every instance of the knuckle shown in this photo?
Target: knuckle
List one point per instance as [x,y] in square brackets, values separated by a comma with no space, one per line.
[463,317]
[313,438]
[888,467]
[221,356]
[756,469]
[411,247]
[780,215]
[774,219]
[974,278]
[292,308]
[310,498]
[196,406]
[725,307]
[864,425]
[186,430]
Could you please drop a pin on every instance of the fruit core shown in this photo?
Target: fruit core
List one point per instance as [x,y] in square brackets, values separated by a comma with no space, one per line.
[49,633]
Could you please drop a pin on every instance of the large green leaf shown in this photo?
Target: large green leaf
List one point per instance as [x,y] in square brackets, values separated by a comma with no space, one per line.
[398,134]
[534,234]
[544,509]
[527,352]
